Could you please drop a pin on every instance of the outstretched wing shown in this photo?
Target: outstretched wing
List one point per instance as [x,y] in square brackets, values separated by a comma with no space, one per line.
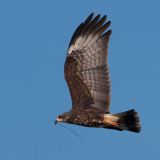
[86,68]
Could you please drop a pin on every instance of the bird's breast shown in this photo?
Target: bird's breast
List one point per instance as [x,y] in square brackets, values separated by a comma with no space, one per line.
[87,119]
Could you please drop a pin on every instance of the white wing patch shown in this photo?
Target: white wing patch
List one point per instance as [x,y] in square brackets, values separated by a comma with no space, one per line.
[76,45]
[82,42]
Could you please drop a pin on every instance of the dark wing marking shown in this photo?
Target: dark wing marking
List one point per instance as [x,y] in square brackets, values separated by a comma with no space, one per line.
[86,69]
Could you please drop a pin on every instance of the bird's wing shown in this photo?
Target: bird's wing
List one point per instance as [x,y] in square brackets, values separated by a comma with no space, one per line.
[86,68]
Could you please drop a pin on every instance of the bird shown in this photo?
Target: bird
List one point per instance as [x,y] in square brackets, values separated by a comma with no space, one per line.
[86,72]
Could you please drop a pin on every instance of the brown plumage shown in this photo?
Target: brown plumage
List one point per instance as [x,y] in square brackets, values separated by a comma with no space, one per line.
[87,76]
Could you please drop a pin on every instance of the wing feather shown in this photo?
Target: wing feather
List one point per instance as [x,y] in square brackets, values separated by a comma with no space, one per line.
[86,68]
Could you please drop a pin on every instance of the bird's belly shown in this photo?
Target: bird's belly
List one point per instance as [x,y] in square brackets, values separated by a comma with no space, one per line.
[89,121]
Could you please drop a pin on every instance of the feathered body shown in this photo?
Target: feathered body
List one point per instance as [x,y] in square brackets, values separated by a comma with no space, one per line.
[87,76]
[88,117]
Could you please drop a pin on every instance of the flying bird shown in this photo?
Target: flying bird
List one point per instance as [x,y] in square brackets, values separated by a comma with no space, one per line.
[87,75]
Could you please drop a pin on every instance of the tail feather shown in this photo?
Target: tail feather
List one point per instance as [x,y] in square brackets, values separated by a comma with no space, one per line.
[129,120]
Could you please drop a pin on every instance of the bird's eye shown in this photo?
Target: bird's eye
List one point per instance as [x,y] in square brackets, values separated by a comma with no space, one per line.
[61,116]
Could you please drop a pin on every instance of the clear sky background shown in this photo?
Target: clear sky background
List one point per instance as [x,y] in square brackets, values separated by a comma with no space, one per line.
[34,37]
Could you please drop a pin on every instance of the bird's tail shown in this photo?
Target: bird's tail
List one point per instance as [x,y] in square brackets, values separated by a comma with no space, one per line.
[128,120]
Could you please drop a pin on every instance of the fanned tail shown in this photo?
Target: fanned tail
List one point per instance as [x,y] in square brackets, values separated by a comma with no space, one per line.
[129,120]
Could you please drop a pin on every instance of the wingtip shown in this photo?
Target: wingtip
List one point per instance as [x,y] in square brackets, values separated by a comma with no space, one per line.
[92,14]
[90,17]
[110,32]
[98,16]
[109,23]
[104,17]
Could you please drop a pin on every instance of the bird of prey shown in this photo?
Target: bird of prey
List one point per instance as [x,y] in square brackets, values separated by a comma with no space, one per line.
[87,75]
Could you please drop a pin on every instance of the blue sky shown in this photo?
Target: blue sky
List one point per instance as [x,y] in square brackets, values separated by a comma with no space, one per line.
[34,37]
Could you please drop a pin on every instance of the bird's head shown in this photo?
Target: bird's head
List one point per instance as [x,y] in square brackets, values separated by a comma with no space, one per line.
[62,117]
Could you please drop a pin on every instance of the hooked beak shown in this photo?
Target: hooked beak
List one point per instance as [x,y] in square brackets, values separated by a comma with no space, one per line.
[58,120]
[55,122]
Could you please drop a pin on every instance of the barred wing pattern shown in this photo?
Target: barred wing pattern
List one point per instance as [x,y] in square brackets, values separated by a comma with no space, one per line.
[86,69]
